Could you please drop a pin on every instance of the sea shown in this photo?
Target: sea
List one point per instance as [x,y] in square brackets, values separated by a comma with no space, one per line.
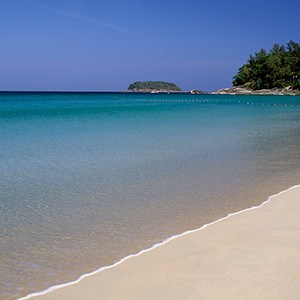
[87,179]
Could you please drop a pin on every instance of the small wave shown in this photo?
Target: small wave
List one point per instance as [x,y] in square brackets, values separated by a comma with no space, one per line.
[55,287]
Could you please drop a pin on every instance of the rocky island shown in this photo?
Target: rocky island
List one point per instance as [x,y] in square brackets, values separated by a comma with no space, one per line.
[154,87]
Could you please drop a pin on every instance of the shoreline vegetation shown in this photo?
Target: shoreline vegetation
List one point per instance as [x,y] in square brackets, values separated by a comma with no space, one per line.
[257,251]
[276,72]
[277,69]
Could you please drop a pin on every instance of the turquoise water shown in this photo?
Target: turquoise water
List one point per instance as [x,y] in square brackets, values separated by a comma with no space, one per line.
[87,179]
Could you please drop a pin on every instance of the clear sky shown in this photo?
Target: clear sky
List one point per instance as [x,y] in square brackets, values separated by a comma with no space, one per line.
[104,45]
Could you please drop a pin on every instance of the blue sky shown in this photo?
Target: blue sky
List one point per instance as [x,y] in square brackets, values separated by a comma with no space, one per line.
[105,45]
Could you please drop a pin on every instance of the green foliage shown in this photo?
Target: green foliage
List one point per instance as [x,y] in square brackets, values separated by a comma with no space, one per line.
[277,69]
[154,85]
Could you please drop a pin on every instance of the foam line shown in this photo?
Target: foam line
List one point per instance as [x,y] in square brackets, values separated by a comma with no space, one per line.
[55,287]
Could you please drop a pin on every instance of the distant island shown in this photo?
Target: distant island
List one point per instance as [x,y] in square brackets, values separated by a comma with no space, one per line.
[154,87]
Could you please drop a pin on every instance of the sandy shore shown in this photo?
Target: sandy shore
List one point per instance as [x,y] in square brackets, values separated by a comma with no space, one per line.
[254,254]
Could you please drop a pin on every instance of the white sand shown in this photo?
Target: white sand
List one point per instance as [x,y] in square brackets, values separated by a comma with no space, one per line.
[251,255]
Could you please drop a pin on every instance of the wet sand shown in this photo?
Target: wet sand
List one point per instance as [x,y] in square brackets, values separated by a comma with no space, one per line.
[253,254]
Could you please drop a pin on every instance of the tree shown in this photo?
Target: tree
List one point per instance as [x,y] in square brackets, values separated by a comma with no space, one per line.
[277,69]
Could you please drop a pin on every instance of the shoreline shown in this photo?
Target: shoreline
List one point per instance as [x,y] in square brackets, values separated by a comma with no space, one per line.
[47,293]
[245,91]
[224,91]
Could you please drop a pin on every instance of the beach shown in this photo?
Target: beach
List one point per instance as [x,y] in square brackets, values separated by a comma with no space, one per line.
[251,254]
[89,179]
[144,149]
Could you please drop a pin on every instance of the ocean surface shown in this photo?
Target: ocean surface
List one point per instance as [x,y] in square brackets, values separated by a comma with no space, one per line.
[89,178]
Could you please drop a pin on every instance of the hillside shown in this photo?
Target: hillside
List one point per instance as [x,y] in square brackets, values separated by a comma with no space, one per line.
[278,68]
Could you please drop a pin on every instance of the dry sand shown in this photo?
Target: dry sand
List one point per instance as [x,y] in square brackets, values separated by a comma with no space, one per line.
[254,254]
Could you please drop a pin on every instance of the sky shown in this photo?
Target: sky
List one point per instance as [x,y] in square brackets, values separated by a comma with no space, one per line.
[104,45]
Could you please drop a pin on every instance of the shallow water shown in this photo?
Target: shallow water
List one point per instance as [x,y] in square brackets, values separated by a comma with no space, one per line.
[87,179]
